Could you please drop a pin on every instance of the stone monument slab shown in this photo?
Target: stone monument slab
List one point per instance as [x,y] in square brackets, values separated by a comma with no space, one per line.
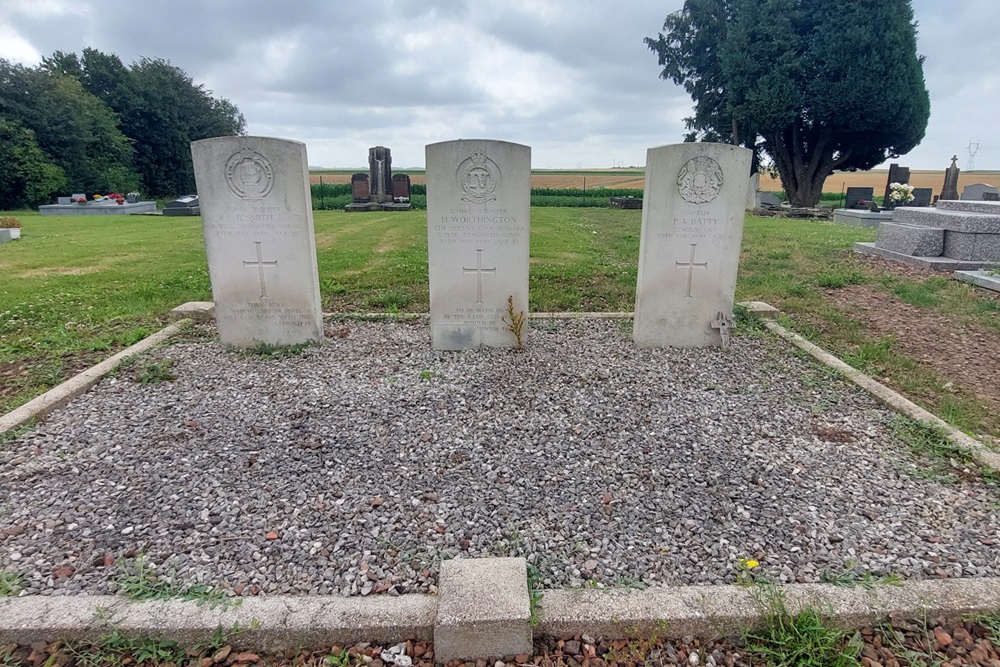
[478,224]
[689,250]
[256,211]
[976,191]
[856,194]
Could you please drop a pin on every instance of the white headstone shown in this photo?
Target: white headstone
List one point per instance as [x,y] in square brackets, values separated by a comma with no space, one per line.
[689,250]
[256,209]
[752,192]
[478,224]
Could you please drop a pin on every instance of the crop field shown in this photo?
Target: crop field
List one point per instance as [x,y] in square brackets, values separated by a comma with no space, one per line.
[635,178]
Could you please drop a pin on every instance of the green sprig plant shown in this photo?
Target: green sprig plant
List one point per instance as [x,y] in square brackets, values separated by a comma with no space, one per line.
[515,323]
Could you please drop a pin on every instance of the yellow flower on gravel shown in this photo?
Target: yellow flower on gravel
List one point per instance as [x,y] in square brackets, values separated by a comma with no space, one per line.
[749,564]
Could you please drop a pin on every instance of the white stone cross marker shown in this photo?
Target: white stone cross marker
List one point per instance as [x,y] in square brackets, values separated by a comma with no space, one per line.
[256,210]
[478,210]
[689,251]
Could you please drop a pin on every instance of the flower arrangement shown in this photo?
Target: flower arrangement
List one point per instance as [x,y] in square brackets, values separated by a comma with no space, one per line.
[900,193]
[9,222]
[116,196]
[80,200]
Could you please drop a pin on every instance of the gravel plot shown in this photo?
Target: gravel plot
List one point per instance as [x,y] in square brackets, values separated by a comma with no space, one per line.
[355,467]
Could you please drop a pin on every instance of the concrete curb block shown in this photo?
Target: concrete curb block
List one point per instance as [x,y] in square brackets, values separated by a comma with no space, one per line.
[266,624]
[712,611]
[984,455]
[292,622]
[80,383]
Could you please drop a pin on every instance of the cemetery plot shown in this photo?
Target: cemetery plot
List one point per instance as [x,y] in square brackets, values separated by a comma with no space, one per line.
[597,461]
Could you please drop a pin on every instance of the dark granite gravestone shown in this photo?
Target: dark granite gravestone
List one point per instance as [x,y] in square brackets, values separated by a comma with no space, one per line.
[949,191]
[401,188]
[625,202]
[854,195]
[360,192]
[379,190]
[186,205]
[897,174]
[380,172]
[991,196]
[922,197]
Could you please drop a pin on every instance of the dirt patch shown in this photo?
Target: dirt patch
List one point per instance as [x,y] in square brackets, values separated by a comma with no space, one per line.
[965,354]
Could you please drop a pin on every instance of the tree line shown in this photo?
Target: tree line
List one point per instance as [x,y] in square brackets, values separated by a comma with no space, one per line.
[91,124]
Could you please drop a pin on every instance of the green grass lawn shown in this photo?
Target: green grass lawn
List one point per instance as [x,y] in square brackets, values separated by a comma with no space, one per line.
[75,289]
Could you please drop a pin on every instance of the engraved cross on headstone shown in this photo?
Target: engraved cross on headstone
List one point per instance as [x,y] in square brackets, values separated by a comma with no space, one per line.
[690,265]
[479,271]
[260,264]
[724,323]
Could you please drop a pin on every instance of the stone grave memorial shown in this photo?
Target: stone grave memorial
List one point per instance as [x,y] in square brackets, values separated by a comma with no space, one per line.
[977,191]
[856,194]
[922,197]
[689,249]
[70,206]
[360,189]
[186,205]
[950,188]
[400,188]
[478,224]
[897,174]
[957,234]
[256,211]
[375,191]
[752,189]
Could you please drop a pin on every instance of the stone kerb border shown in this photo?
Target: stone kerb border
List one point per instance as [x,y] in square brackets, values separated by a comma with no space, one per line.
[465,620]
[80,383]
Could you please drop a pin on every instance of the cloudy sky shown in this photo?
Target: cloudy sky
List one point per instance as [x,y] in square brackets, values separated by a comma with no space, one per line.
[570,78]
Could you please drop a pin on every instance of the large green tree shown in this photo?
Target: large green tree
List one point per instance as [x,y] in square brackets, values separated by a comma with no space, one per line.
[815,85]
[74,129]
[28,177]
[162,110]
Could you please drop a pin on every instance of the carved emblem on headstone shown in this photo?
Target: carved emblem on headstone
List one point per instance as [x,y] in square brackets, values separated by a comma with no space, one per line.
[479,178]
[699,180]
[249,175]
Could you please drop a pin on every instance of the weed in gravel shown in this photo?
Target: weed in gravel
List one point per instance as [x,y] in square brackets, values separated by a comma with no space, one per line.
[638,646]
[138,580]
[154,372]
[534,596]
[849,577]
[14,434]
[515,323]
[10,584]
[797,640]
[339,659]
[992,624]
[945,457]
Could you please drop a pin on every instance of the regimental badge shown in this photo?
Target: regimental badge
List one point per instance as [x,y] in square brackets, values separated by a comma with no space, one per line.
[249,175]
[479,178]
[699,180]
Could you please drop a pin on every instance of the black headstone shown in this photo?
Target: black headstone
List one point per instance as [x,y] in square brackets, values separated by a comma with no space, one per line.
[897,174]
[991,196]
[854,195]
[186,205]
[922,197]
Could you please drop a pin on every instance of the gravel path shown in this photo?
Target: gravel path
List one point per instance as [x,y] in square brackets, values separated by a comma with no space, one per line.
[357,466]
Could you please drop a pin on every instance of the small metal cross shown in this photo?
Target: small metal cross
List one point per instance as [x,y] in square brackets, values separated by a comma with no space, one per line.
[724,323]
